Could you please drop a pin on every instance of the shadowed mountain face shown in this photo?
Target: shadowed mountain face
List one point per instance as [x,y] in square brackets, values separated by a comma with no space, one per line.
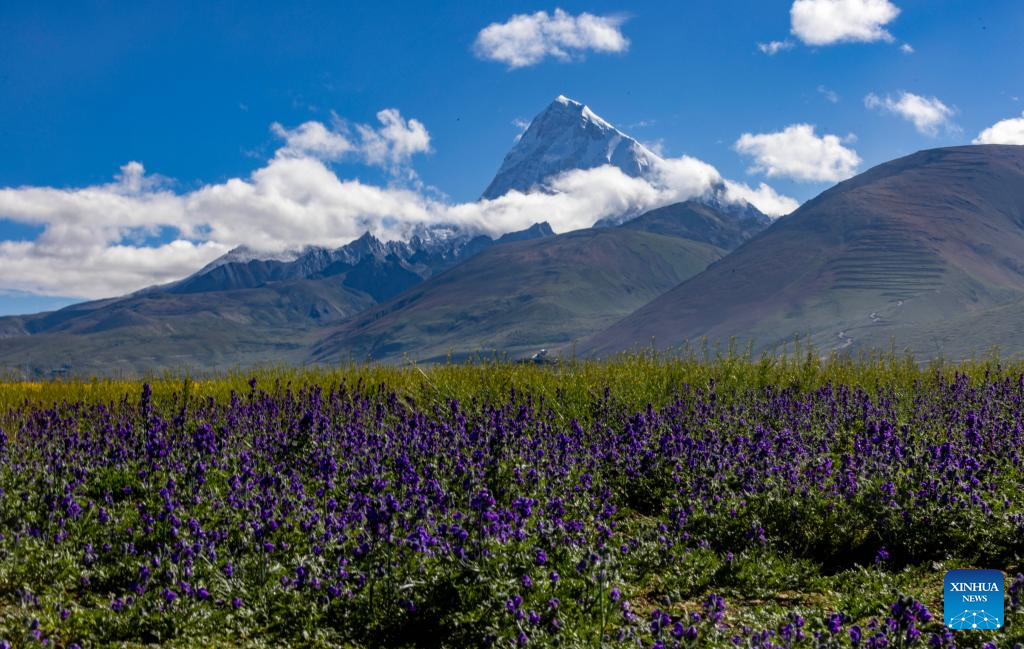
[380,268]
[701,222]
[521,297]
[926,251]
[144,333]
[237,311]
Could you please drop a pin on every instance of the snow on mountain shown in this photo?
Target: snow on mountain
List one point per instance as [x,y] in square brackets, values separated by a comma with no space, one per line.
[567,135]
[245,254]
[429,250]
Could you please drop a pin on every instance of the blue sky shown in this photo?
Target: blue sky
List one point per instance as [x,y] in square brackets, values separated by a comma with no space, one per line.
[191,91]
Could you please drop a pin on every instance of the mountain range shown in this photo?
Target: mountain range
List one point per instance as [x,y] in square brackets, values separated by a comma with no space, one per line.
[243,309]
[521,297]
[924,252]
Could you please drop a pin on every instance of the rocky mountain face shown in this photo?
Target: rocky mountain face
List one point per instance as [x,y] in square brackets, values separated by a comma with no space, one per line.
[567,135]
[379,268]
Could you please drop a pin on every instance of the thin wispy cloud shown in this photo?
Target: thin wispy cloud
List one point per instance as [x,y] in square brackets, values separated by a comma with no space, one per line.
[929,115]
[771,48]
[521,126]
[527,39]
[830,95]
[644,123]
[657,146]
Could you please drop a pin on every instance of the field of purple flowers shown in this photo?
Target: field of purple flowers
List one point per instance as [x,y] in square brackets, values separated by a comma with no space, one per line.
[359,514]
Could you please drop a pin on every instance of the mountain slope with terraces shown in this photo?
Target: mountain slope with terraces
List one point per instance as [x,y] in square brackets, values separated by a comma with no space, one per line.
[925,252]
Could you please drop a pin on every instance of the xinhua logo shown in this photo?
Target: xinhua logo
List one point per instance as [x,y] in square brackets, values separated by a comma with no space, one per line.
[973,599]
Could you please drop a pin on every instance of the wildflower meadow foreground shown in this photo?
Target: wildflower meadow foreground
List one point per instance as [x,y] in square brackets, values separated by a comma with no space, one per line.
[640,503]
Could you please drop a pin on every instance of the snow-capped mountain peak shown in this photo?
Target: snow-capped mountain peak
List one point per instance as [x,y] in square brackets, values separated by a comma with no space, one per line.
[567,135]
[245,254]
[584,112]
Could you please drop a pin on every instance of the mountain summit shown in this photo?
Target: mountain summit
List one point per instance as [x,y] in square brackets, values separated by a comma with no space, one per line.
[567,135]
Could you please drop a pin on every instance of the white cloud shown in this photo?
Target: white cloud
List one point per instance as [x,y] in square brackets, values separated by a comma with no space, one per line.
[96,271]
[573,200]
[312,139]
[771,48]
[825,22]
[1007,131]
[392,143]
[907,48]
[527,39]
[765,198]
[685,177]
[93,242]
[927,114]
[395,141]
[797,152]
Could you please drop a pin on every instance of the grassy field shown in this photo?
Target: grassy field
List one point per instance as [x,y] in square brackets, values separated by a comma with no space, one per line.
[703,499]
[638,379]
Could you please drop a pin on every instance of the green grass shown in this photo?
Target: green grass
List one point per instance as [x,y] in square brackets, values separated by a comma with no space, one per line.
[525,296]
[637,379]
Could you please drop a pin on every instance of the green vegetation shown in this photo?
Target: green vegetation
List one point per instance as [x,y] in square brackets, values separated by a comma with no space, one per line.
[524,296]
[703,499]
[638,379]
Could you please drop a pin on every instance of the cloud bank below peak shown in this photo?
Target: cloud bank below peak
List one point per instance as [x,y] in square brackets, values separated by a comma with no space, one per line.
[98,241]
